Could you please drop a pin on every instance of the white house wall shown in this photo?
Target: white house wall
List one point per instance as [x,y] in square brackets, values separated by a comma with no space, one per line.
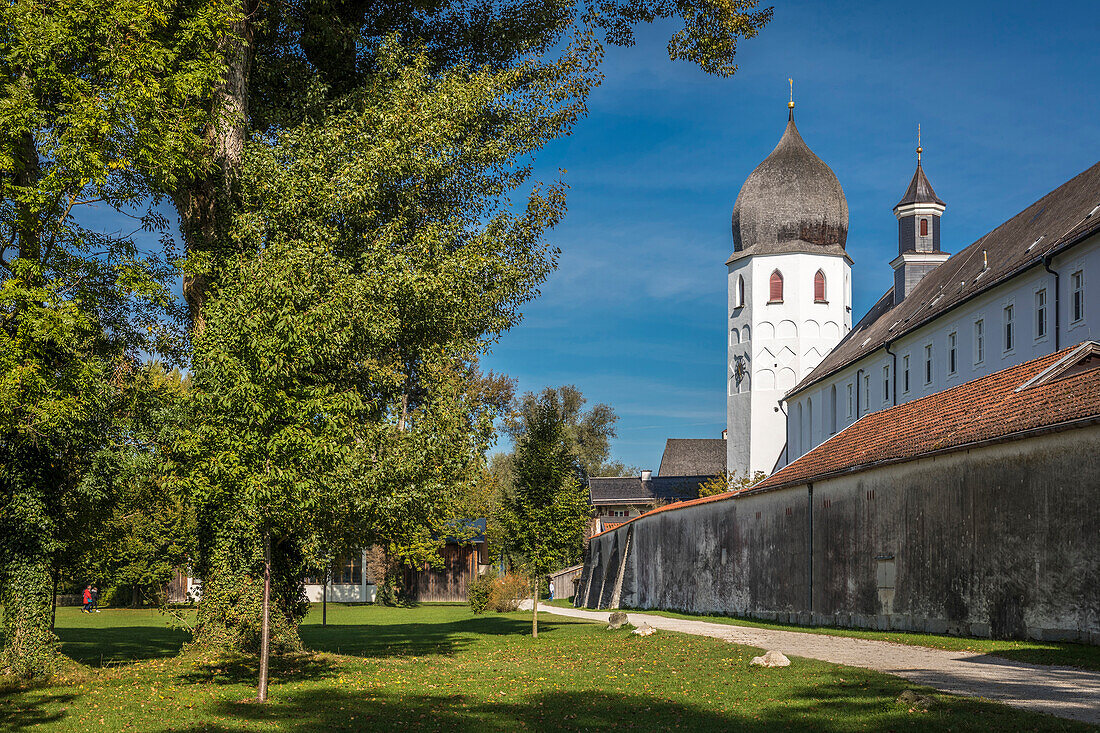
[803,435]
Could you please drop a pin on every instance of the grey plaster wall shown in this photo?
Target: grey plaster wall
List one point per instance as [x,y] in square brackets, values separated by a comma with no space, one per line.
[1002,540]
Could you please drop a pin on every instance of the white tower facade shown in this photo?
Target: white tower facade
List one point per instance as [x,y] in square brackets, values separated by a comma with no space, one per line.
[790,296]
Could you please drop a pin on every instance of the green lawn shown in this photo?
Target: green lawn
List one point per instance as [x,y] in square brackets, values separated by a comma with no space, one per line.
[1085,656]
[439,668]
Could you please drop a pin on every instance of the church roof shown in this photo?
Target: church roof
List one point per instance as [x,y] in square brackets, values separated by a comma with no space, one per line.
[791,202]
[919,191]
[1058,220]
[693,457]
[1059,389]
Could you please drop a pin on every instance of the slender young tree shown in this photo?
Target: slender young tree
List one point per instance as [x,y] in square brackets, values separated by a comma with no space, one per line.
[546,512]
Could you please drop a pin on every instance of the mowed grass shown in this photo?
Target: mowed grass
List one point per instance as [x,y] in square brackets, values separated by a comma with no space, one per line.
[440,668]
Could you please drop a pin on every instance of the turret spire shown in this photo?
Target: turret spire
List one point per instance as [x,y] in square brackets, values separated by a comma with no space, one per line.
[790,104]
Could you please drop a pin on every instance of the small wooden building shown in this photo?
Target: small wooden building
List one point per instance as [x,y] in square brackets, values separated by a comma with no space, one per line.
[463,560]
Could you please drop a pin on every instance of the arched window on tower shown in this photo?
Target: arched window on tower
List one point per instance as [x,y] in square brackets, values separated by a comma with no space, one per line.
[739,294]
[924,227]
[819,287]
[775,289]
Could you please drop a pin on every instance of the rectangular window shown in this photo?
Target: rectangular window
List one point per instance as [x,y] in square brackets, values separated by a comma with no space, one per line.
[905,373]
[952,352]
[348,570]
[866,390]
[886,383]
[1077,302]
[928,364]
[979,341]
[1008,322]
[849,399]
[1040,313]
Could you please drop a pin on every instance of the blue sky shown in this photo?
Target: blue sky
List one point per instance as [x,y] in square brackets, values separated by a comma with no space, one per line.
[1005,93]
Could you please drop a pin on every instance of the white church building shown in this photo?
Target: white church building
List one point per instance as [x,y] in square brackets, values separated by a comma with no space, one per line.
[799,372]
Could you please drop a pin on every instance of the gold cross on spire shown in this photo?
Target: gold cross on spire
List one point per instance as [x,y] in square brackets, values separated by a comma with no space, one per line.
[790,104]
[919,149]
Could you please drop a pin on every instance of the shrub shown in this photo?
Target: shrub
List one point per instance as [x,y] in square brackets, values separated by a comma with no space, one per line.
[507,591]
[479,590]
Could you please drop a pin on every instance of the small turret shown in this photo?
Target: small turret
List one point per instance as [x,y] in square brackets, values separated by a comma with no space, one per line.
[918,214]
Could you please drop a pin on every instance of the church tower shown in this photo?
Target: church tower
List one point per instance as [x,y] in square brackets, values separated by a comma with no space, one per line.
[918,214]
[789,281]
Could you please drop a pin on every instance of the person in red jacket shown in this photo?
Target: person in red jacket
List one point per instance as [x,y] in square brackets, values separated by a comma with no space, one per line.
[87,600]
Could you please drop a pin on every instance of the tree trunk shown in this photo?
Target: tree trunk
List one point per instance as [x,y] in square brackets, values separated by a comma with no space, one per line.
[324,601]
[265,633]
[53,598]
[204,205]
[535,610]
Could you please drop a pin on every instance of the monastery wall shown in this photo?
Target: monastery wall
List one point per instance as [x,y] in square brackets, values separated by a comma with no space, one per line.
[996,540]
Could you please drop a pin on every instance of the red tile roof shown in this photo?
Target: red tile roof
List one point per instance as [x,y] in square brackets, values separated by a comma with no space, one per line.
[984,409]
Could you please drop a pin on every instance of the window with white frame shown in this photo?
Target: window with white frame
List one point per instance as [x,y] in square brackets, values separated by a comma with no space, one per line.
[928,364]
[952,352]
[849,399]
[886,383]
[739,293]
[1008,322]
[905,373]
[1077,297]
[866,391]
[979,341]
[1040,313]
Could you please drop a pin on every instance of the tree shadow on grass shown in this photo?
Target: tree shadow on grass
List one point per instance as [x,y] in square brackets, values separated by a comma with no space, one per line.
[99,647]
[244,669]
[21,707]
[415,639]
[819,708]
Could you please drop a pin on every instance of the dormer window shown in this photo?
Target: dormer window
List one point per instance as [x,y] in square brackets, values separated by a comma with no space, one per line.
[924,227]
[819,287]
[775,288]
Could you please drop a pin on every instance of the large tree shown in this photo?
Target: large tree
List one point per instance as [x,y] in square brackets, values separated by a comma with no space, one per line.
[100,104]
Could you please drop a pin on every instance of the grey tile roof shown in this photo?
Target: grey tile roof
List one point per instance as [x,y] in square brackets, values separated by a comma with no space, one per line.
[693,457]
[919,191]
[632,490]
[1054,222]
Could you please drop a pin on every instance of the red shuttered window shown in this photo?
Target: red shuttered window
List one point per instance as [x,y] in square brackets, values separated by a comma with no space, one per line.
[775,292]
[819,287]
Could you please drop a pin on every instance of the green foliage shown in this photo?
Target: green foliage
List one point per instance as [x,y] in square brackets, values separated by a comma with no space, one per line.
[588,432]
[98,106]
[478,590]
[730,481]
[546,512]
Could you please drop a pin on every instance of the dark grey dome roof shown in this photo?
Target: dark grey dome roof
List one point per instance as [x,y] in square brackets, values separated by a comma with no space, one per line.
[792,202]
[919,191]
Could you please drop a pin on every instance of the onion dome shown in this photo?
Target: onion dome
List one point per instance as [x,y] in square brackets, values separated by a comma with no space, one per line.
[792,202]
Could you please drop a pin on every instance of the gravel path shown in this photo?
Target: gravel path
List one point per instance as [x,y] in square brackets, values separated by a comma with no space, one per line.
[1067,692]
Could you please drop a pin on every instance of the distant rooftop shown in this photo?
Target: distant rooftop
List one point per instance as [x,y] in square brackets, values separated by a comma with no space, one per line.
[693,457]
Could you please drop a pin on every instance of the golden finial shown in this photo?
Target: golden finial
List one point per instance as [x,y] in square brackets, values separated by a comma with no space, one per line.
[919,149]
[790,104]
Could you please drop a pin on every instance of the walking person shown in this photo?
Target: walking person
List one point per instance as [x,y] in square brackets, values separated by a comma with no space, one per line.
[87,600]
[95,599]
[551,590]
